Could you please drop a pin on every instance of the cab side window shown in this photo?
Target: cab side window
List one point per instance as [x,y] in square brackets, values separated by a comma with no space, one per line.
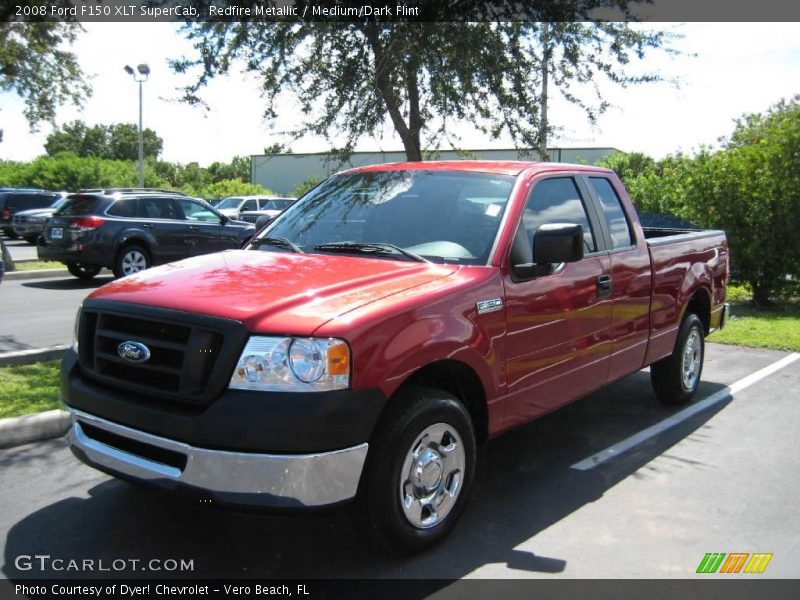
[249,205]
[612,208]
[555,200]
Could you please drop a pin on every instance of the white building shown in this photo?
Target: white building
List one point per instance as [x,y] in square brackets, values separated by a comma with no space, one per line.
[281,173]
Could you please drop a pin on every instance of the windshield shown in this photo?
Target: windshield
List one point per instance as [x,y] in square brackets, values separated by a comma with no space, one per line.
[442,216]
[228,203]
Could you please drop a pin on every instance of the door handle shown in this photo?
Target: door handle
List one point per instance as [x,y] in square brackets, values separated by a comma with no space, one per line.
[604,286]
[147,225]
[194,228]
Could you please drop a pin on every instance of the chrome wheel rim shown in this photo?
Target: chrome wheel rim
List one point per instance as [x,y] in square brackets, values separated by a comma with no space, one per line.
[133,261]
[432,474]
[691,359]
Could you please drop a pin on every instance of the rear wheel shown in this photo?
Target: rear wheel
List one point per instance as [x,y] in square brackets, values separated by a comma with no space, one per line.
[419,472]
[675,378]
[83,271]
[131,259]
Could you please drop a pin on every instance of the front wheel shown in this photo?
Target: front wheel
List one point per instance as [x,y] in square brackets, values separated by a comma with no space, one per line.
[130,260]
[419,472]
[675,378]
[83,271]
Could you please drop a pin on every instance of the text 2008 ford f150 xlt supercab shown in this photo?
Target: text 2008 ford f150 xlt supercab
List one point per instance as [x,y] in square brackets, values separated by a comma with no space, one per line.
[380,328]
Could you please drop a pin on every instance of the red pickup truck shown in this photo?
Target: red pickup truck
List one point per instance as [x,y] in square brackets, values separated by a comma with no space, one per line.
[388,322]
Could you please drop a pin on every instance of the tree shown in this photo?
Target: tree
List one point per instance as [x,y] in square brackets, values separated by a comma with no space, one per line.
[116,142]
[752,190]
[238,168]
[305,185]
[348,77]
[35,66]
[123,142]
[229,187]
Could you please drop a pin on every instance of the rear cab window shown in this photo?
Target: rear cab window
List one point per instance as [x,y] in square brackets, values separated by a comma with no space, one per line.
[618,225]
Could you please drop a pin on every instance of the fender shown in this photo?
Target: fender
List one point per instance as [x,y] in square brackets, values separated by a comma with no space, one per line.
[141,236]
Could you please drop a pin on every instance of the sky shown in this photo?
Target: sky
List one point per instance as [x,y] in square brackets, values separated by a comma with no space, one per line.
[724,70]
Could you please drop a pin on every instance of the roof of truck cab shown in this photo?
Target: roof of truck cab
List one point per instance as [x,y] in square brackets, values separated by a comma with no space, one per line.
[501,167]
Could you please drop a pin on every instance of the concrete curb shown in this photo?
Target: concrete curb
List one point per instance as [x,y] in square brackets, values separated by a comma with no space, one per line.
[33,428]
[38,274]
[27,357]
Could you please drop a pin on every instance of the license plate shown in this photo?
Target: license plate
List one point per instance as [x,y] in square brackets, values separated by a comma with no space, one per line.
[56,233]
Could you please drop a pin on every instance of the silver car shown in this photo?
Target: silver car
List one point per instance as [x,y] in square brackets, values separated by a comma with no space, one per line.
[250,208]
[29,224]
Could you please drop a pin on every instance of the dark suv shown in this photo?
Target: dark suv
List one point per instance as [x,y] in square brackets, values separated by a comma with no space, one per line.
[130,230]
[15,200]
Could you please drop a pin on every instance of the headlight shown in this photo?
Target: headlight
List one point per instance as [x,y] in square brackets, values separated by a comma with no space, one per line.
[76,329]
[281,364]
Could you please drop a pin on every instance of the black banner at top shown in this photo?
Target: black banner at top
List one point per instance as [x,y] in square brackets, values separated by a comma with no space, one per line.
[265,11]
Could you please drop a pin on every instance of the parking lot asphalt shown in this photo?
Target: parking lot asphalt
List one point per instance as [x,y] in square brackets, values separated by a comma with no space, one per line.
[725,479]
[38,313]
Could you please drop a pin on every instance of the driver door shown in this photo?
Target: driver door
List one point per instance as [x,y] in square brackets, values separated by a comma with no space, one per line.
[557,343]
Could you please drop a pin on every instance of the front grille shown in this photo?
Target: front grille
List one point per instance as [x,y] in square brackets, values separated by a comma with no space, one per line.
[185,351]
[249,218]
[19,219]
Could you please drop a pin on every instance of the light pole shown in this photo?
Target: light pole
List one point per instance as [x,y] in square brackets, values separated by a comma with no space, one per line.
[144,71]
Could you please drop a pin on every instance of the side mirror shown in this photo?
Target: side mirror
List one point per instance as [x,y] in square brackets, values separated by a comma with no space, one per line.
[553,243]
[223,219]
[558,243]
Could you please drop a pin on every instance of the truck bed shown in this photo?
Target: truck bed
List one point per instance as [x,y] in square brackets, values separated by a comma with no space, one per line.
[680,258]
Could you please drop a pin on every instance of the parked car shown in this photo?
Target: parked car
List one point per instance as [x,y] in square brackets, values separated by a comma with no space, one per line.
[130,230]
[268,207]
[236,207]
[370,337]
[15,200]
[29,224]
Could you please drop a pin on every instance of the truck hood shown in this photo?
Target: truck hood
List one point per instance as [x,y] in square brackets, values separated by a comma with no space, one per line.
[272,292]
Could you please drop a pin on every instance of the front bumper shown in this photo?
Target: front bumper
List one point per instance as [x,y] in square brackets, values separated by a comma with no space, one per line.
[24,229]
[240,478]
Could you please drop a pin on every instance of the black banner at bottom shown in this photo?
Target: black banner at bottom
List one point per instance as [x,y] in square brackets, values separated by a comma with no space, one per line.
[405,589]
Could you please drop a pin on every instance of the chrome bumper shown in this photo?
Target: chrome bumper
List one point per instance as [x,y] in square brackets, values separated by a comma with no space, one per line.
[269,480]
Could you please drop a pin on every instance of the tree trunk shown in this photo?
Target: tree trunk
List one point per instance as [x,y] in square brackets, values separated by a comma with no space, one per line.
[409,132]
[760,293]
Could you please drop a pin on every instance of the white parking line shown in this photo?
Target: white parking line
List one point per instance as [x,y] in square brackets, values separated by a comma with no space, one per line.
[678,417]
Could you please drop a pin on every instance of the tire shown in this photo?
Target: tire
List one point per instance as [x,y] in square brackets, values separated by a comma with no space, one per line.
[83,271]
[422,455]
[10,233]
[131,259]
[675,378]
[32,239]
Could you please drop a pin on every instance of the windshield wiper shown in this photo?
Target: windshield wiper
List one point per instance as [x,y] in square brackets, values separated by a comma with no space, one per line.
[369,248]
[279,242]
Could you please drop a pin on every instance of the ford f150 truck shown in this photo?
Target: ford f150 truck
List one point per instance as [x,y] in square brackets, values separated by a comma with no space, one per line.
[378,330]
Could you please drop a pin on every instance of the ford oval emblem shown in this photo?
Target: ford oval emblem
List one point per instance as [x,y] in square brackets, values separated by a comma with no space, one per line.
[134,352]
